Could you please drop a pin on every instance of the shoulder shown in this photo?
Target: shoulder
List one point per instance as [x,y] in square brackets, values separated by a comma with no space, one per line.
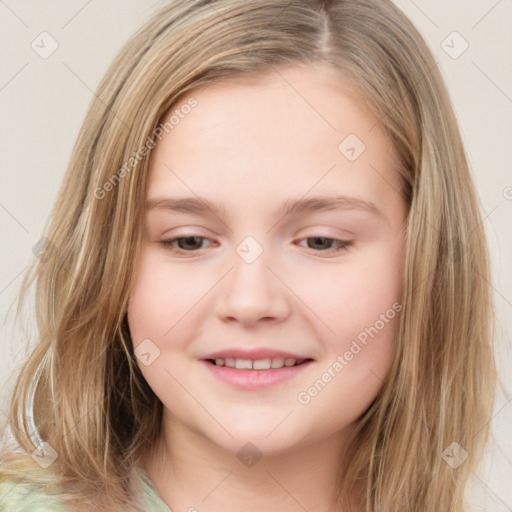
[20,492]
[19,496]
[151,498]
[24,488]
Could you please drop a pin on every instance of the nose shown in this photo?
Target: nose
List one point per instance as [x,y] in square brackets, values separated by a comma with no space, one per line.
[253,292]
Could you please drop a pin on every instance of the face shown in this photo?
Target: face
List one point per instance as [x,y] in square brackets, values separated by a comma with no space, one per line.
[274,233]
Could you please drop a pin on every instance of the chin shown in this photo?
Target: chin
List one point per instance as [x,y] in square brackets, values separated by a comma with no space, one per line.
[257,444]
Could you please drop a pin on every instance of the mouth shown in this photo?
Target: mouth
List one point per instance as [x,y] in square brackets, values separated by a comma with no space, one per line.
[255,374]
[274,363]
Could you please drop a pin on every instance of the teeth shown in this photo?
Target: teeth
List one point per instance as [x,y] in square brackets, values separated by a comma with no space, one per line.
[277,362]
[243,364]
[260,364]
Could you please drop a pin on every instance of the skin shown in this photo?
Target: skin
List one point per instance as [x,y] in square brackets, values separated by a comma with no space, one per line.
[249,145]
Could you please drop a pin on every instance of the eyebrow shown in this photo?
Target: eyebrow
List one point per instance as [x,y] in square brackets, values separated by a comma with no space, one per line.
[201,206]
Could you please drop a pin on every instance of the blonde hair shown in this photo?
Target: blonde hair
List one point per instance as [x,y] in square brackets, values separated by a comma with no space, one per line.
[440,388]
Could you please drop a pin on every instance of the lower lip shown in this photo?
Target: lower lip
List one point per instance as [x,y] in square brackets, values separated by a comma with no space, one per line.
[255,379]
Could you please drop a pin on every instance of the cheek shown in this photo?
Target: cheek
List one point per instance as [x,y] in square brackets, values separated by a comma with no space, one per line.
[355,294]
[360,302]
[157,311]
[161,298]
[358,360]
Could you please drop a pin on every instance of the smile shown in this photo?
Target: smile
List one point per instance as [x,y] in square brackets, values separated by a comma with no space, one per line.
[255,374]
[259,364]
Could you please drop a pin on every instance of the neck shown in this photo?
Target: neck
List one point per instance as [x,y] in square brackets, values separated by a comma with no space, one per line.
[191,473]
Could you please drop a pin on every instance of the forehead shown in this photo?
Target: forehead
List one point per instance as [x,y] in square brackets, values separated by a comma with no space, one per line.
[297,104]
[285,133]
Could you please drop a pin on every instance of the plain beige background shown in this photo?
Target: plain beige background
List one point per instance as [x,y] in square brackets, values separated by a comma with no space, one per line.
[43,102]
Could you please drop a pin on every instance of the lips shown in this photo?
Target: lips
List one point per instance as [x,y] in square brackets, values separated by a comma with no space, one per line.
[255,369]
[255,354]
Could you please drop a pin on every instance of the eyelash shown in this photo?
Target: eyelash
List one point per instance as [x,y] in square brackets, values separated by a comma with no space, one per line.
[343,245]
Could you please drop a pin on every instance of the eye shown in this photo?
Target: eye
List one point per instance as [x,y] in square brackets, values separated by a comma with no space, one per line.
[184,244]
[192,243]
[325,244]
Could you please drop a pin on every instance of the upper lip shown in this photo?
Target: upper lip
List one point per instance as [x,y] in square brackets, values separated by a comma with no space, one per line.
[254,354]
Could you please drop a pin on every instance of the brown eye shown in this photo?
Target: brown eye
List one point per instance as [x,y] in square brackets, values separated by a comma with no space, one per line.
[189,242]
[184,243]
[320,242]
[325,244]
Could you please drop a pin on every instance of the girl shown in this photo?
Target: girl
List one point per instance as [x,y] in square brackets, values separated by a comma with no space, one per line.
[257,288]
